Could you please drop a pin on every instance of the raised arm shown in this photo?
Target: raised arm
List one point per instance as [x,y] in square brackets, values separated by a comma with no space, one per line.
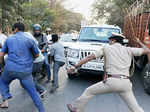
[86,59]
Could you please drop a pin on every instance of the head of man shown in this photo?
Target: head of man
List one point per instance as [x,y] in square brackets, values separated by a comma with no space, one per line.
[116,38]
[48,31]
[18,27]
[55,38]
[37,30]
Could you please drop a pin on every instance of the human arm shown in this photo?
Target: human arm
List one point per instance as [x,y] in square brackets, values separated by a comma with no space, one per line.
[36,55]
[146,50]
[95,55]
[81,62]
[45,44]
[34,49]
[52,50]
[2,62]
[0,45]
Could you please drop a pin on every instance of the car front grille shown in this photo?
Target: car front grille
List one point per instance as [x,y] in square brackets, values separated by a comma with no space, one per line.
[86,53]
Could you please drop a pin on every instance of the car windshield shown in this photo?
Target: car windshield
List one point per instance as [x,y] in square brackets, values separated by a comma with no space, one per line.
[96,34]
[66,38]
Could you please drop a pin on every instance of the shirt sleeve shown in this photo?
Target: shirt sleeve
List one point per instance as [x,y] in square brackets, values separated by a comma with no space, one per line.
[34,48]
[99,53]
[136,51]
[5,47]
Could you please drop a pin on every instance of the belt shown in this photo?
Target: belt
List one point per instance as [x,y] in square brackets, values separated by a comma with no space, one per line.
[115,76]
[118,76]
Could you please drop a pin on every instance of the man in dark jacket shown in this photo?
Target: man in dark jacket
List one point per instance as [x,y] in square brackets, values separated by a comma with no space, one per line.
[43,45]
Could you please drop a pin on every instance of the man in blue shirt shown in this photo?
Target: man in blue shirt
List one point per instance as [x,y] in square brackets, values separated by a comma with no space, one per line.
[21,51]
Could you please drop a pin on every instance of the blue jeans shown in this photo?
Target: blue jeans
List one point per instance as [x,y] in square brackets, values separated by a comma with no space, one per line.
[56,67]
[27,82]
[47,65]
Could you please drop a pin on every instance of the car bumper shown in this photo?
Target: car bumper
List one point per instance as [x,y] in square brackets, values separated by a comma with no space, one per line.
[93,72]
[90,67]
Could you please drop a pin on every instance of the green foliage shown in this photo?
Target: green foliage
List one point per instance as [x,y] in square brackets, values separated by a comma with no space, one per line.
[111,10]
[47,13]
[38,12]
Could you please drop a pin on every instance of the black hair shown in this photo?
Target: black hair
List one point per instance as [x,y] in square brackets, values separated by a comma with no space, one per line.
[117,38]
[55,38]
[19,26]
[119,41]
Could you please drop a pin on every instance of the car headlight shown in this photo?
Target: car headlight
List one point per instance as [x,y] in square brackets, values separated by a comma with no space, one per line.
[74,53]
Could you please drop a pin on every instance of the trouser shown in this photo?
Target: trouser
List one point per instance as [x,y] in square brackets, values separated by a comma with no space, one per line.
[121,86]
[47,66]
[56,67]
[38,86]
[35,71]
[27,82]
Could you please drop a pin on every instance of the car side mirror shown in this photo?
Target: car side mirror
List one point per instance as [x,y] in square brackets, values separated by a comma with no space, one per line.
[73,39]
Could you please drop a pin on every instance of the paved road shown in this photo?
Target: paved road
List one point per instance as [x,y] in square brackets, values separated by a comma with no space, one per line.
[71,89]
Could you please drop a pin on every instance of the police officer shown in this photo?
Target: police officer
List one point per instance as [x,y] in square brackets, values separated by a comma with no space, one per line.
[43,45]
[117,63]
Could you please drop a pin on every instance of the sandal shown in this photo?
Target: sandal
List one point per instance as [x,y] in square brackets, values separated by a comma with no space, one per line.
[3,106]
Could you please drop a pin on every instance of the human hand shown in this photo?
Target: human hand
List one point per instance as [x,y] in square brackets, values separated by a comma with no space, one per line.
[42,50]
[72,70]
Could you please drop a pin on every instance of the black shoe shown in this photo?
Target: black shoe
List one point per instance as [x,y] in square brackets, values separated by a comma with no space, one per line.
[53,89]
[52,81]
[48,81]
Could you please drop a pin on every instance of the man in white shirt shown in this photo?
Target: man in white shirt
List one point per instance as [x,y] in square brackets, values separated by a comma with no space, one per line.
[3,37]
[117,63]
[48,34]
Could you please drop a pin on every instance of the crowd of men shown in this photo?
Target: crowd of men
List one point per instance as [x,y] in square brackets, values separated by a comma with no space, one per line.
[23,56]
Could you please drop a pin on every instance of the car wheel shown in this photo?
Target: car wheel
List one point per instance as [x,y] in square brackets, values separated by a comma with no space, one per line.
[146,79]
[71,76]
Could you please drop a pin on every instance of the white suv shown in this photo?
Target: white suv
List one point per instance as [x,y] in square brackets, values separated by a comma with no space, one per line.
[91,39]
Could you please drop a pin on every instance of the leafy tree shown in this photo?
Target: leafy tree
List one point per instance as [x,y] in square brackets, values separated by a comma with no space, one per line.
[111,10]
[10,10]
[48,13]
[37,11]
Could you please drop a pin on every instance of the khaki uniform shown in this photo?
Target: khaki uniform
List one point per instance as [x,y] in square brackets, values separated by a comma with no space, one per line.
[118,61]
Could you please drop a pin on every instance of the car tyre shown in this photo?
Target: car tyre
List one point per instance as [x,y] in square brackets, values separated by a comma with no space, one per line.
[71,76]
[146,79]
